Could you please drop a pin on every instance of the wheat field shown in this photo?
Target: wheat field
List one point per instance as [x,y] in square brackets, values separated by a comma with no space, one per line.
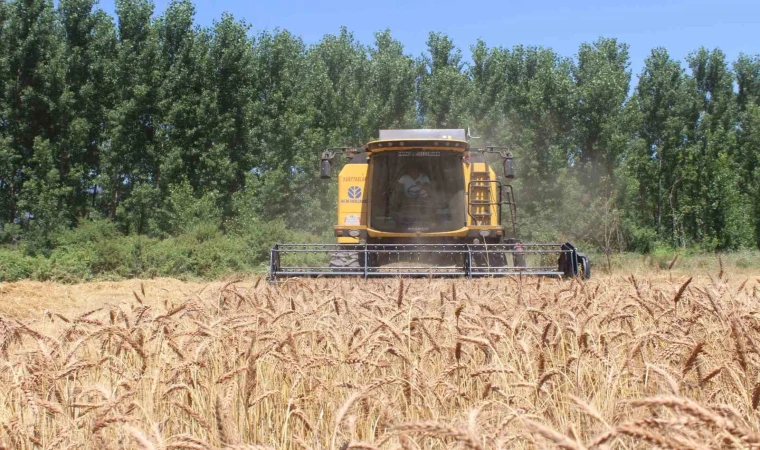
[618,362]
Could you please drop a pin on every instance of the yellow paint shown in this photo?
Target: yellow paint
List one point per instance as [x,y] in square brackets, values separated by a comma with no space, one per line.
[485,191]
[385,234]
[353,196]
[354,192]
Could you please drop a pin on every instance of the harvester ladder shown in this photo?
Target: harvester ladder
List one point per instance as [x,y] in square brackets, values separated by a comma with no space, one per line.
[480,200]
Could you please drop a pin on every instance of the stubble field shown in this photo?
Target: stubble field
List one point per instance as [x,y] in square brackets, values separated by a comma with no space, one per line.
[668,360]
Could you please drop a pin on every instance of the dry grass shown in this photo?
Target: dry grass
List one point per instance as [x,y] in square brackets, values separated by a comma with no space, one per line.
[28,299]
[616,362]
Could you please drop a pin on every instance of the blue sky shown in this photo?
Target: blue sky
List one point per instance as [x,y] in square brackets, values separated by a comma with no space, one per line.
[681,26]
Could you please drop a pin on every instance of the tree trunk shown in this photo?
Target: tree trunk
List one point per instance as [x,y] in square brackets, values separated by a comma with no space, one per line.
[659,196]
[115,199]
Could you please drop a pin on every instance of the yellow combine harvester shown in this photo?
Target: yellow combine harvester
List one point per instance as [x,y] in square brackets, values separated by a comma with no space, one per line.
[424,203]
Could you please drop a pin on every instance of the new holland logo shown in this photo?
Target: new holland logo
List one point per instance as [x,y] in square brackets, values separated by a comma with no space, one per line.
[354,195]
[354,192]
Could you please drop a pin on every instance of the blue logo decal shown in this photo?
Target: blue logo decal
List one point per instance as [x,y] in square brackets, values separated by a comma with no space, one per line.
[354,192]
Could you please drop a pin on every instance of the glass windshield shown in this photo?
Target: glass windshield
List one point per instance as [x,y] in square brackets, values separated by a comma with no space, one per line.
[417,191]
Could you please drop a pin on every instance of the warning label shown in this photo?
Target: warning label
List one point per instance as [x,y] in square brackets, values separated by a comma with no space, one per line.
[351,219]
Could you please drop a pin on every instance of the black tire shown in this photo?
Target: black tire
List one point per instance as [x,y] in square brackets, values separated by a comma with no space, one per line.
[498,260]
[520,260]
[487,257]
[347,261]
[584,266]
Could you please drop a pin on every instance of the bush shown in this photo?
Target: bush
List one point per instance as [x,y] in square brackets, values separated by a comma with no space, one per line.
[183,212]
[640,239]
[202,252]
[10,233]
[70,265]
[167,257]
[661,256]
[14,265]
[97,250]
[90,231]
[221,256]
[93,249]
[746,259]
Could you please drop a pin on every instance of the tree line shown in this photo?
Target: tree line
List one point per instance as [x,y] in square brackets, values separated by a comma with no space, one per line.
[154,123]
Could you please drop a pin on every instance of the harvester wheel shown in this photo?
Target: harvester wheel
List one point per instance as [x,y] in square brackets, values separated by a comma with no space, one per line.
[497,259]
[347,261]
[520,260]
[584,266]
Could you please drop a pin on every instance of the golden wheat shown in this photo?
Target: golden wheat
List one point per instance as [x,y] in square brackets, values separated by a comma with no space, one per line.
[617,363]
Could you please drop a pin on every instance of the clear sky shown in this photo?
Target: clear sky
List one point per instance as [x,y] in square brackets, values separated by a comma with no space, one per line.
[681,26]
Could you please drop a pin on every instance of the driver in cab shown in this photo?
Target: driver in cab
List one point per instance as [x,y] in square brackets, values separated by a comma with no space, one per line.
[415,183]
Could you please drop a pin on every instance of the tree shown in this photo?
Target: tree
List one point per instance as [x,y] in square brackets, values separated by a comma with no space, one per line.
[711,203]
[602,79]
[32,42]
[186,99]
[522,99]
[231,152]
[41,197]
[340,66]
[443,88]
[7,153]
[747,71]
[282,180]
[83,104]
[389,86]
[129,158]
[654,158]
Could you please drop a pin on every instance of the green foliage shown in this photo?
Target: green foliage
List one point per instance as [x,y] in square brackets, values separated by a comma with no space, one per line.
[98,250]
[15,265]
[601,79]
[443,86]
[640,239]
[137,145]
[203,252]
[182,211]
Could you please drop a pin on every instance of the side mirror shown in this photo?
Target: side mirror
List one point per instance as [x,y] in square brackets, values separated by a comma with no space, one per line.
[325,168]
[509,167]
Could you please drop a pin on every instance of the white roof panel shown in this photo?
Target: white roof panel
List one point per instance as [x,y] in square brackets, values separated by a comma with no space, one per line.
[454,134]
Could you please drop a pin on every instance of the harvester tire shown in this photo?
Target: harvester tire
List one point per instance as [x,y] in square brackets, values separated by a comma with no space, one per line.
[584,266]
[497,259]
[347,261]
[520,260]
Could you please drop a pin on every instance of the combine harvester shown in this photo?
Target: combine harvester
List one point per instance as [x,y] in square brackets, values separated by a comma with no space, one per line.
[424,203]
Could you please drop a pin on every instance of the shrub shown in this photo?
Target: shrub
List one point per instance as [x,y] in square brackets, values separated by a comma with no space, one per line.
[70,264]
[641,239]
[9,233]
[168,257]
[14,265]
[97,250]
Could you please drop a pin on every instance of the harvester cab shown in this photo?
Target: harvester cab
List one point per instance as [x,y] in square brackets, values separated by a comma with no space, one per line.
[424,203]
